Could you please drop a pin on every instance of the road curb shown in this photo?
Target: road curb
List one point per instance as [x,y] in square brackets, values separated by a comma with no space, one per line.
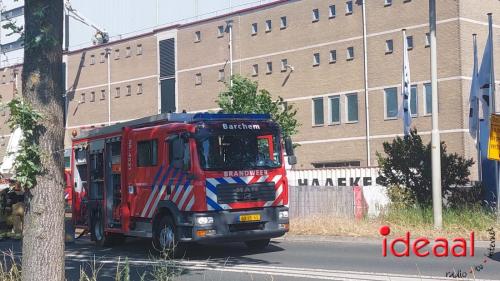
[349,239]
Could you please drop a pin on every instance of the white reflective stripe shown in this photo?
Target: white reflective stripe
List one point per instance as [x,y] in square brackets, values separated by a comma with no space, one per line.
[190,204]
[247,179]
[279,191]
[211,195]
[163,188]
[178,192]
[263,178]
[185,196]
[213,182]
[268,203]
[210,208]
[276,178]
[151,195]
[230,180]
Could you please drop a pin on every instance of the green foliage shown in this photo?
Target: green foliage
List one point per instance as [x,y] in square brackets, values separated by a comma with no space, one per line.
[245,97]
[406,170]
[28,162]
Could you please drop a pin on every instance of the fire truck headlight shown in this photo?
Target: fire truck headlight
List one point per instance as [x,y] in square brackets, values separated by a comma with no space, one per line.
[204,220]
[283,215]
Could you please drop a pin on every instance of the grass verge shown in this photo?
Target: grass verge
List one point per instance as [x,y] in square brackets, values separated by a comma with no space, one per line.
[456,223]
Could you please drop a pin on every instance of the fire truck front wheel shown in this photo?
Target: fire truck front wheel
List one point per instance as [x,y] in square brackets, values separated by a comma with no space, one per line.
[165,238]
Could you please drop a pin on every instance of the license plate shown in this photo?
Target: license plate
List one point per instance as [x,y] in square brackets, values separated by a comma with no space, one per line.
[253,217]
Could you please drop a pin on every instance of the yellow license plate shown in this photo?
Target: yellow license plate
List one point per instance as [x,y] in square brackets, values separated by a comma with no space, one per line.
[253,217]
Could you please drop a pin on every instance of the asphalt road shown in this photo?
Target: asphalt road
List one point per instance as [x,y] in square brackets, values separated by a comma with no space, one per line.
[282,260]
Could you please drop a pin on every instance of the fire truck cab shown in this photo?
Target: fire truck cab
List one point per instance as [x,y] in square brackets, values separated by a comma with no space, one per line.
[180,178]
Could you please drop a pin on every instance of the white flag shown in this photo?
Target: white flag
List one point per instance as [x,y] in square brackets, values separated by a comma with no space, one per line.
[406,88]
[473,98]
[486,77]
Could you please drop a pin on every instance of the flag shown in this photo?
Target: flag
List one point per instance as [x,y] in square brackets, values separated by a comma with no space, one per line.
[486,77]
[406,88]
[473,98]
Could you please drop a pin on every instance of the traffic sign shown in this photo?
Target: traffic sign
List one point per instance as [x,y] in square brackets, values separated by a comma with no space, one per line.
[494,141]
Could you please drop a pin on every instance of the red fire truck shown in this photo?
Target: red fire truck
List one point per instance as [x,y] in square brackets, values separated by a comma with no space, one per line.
[181,178]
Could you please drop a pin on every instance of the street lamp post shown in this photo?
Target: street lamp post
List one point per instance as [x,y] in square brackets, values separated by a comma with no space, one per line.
[437,204]
[229,26]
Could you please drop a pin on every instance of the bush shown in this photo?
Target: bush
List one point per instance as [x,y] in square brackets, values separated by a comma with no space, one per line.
[406,170]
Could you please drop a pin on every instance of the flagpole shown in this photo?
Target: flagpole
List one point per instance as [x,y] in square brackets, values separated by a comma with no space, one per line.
[478,120]
[437,201]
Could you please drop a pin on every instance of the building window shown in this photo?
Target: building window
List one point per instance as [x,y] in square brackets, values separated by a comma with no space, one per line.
[427,40]
[254,28]
[127,52]
[348,8]
[222,75]
[103,94]
[332,12]
[269,67]
[318,113]
[409,42]
[147,153]
[414,101]
[428,98]
[316,59]
[389,46]
[197,36]
[92,60]
[350,53]
[269,25]
[117,92]
[387,2]
[220,31]
[139,49]
[352,107]
[117,54]
[129,90]
[315,15]
[333,56]
[103,58]
[82,98]
[197,79]
[283,23]
[255,70]
[391,103]
[284,65]
[334,110]
[139,89]
[92,97]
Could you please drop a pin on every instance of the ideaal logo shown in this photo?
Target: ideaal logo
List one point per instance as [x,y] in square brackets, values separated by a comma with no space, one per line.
[441,246]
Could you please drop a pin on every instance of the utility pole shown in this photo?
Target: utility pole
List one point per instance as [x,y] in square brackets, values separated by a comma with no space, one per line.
[367,104]
[437,204]
[229,26]
[108,56]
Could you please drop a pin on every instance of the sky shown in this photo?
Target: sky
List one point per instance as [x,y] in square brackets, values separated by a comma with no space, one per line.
[126,16]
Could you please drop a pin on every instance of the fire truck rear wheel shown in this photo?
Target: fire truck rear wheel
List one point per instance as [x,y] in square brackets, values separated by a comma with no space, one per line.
[258,244]
[165,239]
[102,238]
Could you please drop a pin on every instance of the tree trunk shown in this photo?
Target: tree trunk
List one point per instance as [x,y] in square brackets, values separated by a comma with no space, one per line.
[42,83]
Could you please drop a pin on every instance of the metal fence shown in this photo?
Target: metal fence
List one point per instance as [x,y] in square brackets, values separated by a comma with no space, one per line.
[306,201]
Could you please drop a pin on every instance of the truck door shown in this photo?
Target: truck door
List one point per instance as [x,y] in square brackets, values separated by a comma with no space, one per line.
[113,182]
[180,188]
[146,172]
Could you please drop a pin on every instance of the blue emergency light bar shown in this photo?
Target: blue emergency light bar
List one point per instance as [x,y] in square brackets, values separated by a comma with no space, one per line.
[224,116]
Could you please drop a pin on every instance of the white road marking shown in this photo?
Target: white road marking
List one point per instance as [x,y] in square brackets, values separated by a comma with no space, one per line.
[309,273]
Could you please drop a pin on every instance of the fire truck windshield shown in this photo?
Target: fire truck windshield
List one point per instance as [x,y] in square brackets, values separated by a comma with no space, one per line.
[240,151]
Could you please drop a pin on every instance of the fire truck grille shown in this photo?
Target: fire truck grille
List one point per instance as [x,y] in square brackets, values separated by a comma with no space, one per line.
[231,193]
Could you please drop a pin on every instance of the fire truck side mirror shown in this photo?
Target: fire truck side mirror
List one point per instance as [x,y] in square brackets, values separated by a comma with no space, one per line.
[289,146]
